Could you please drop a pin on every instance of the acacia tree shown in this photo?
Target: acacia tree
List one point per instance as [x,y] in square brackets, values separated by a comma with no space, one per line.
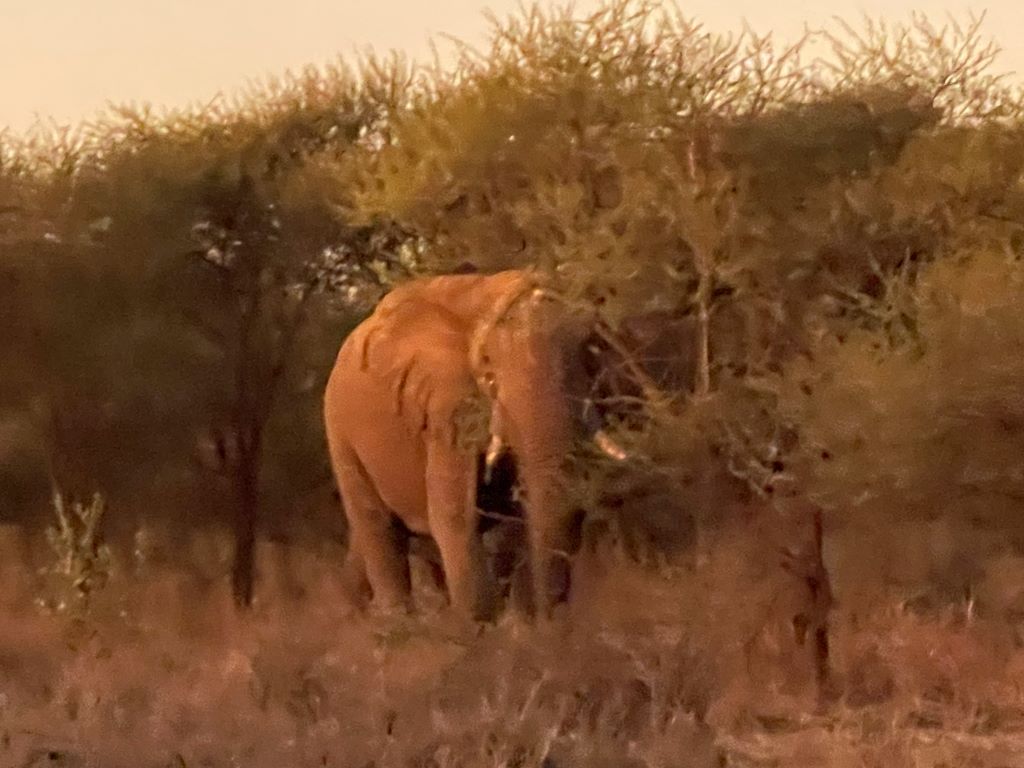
[268,244]
[199,245]
[652,167]
[272,255]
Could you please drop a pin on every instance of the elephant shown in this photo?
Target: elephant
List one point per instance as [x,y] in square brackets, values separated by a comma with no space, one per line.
[447,369]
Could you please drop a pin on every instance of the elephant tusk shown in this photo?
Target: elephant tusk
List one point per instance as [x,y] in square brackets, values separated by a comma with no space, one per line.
[609,447]
[494,450]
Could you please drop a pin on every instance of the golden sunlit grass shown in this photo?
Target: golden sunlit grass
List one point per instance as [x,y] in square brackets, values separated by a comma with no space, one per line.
[645,672]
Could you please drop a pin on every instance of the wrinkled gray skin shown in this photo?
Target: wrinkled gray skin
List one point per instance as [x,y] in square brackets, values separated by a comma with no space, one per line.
[402,456]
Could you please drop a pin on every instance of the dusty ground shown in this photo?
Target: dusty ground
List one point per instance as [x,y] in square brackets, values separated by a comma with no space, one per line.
[647,669]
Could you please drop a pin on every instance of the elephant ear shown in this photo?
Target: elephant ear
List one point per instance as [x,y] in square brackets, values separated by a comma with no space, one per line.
[419,352]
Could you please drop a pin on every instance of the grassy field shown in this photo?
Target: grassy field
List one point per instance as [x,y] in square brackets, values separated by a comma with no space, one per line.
[690,666]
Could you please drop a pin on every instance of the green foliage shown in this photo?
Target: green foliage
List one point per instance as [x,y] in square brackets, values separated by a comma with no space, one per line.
[923,425]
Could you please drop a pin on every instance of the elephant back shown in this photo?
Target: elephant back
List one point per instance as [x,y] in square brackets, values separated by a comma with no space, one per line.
[418,352]
[471,298]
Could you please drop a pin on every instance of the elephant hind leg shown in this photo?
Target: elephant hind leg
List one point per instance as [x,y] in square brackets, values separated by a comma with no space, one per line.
[425,548]
[354,579]
[378,546]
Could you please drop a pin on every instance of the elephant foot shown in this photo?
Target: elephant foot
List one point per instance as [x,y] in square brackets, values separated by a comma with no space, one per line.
[394,630]
[351,612]
[515,624]
[553,630]
[559,581]
[519,591]
[489,606]
[461,629]
[355,589]
[393,610]
[520,599]
[354,602]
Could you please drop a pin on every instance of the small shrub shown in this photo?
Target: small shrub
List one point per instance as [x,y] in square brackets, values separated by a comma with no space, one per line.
[82,563]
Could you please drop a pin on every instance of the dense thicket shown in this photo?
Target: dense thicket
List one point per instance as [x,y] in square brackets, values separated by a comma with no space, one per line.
[814,269]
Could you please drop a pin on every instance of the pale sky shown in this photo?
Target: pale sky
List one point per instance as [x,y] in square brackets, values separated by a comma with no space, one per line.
[66,59]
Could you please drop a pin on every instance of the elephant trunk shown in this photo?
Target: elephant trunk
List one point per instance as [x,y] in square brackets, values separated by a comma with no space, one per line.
[523,355]
[539,425]
[548,516]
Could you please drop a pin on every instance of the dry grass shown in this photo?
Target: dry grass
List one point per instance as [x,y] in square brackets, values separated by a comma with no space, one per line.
[694,668]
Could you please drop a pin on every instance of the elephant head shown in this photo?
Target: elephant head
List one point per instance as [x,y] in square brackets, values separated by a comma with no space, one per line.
[566,342]
[526,354]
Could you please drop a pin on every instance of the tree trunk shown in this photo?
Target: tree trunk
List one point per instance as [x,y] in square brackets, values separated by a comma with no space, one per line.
[822,598]
[702,377]
[807,562]
[243,574]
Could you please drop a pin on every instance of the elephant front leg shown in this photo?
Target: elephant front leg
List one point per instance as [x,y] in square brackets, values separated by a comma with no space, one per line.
[452,516]
[549,569]
[549,529]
